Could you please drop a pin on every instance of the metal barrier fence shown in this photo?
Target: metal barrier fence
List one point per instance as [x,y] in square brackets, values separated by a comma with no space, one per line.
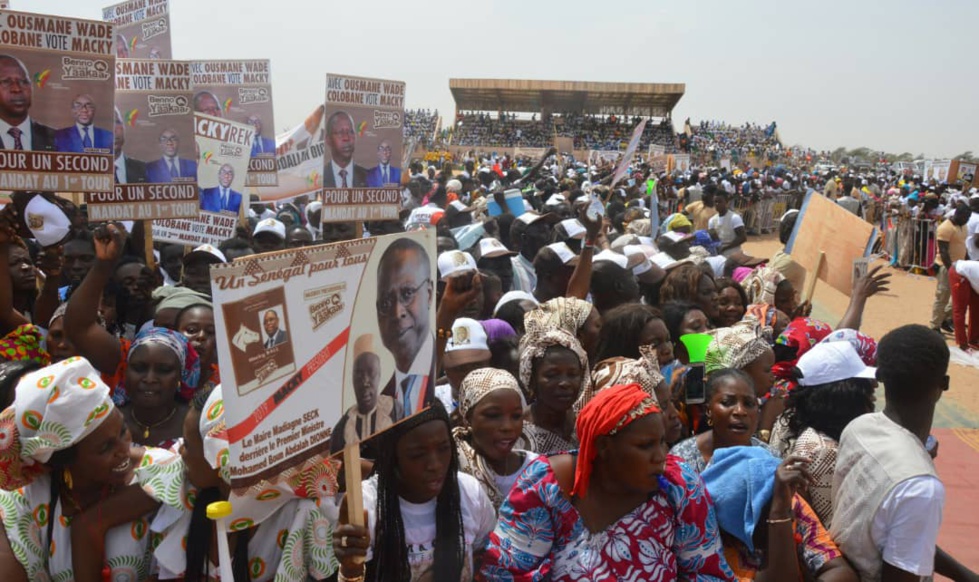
[760,217]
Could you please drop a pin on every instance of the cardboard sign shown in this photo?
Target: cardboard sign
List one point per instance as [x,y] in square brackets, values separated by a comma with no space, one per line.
[59,115]
[843,237]
[142,28]
[630,150]
[313,350]
[240,91]
[222,164]
[364,138]
[155,166]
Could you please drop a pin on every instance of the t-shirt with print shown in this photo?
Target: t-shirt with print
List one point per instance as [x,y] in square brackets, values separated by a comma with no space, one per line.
[478,521]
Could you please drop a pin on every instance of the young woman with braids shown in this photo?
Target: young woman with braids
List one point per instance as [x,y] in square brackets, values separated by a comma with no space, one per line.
[425,518]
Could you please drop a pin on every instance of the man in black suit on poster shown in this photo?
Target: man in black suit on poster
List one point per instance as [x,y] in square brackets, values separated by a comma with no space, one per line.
[127,170]
[404,300]
[17,130]
[342,172]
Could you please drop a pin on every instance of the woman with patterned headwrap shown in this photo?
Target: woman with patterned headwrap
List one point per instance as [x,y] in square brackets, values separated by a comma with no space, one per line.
[618,509]
[280,530]
[491,405]
[65,456]
[554,372]
[575,316]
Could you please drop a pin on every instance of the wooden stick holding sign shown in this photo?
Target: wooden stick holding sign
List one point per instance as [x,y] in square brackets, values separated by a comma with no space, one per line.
[813,277]
[354,497]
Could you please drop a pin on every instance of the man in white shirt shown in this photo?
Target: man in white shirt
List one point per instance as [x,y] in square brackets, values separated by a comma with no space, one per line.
[342,139]
[887,497]
[17,130]
[530,232]
[726,226]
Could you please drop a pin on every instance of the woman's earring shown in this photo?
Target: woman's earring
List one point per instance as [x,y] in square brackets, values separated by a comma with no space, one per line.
[710,421]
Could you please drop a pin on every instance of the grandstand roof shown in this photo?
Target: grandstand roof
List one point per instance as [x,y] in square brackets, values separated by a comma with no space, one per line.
[524,96]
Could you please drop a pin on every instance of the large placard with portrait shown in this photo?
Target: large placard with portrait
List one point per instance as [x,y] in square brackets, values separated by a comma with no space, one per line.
[142,28]
[364,139]
[324,347]
[56,95]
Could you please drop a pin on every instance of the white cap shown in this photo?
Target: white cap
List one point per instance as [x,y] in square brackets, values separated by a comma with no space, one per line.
[46,221]
[208,252]
[555,200]
[573,227]
[663,260]
[271,225]
[454,262]
[613,257]
[564,252]
[467,344]
[514,296]
[624,240]
[832,362]
[530,217]
[675,236]
[453,186]
[489,248]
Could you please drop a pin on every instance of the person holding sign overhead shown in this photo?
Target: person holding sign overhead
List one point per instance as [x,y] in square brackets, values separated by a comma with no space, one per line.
[171,167]
[82,136]
[342,172]
[404,298]
[222,197]
[17,130]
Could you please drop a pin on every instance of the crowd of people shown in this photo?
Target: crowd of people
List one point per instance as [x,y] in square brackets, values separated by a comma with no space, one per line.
[421,124]
[718,140]
[622,393]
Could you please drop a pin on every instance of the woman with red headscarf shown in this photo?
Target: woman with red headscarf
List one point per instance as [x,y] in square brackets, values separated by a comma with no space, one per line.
[619,508]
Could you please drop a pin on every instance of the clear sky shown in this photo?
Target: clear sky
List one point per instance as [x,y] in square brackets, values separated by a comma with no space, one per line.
[887,75]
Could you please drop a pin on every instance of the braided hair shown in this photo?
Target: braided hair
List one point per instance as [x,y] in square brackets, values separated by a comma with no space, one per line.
[390,562]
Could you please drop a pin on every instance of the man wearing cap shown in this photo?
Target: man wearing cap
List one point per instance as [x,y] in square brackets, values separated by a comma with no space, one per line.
[494,258]
[405,294]
[18,131]
[383,174]
[373,412]
[83,136]
[127,170]
[170,167]
[453,264]
[269,235]
[554,265]
[466,350]
[222,198]
[529,233]
[274,335]
[197,268]
[342,172]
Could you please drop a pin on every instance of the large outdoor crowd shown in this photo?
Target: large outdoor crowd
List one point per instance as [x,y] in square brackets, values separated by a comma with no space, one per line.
[421,124]
[718,139]
[620,392]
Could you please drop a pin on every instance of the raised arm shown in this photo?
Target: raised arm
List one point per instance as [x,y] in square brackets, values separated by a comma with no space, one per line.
[867,286]
[50,263]
[580,282]
[81,324]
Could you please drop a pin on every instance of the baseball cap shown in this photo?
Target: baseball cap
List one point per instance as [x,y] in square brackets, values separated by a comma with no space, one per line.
[490,248]
[455,262]
[832,362]
[531,216]
[573,228]
[425,216]
[467,344]
[613,257]
[207,252]
[271,225]
[564,253]
[46,221]
[514,296]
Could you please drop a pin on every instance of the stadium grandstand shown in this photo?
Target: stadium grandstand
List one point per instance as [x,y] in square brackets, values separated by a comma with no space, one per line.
[509,113]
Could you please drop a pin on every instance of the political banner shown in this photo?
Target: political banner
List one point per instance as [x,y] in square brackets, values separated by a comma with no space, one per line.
[155,167]
[142,28]
[682,163]
[240,91]
[56,110]
[655,150]
[224,149]
[962,173]
[299,160]
[630,151]
[313,355]
[364,139]
[532,153]
[601,156]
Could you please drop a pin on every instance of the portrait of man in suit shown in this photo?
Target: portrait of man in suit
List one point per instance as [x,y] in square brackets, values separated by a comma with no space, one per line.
[171,167]
[373,412]
[383,173]
[207,103]
[404,297]
[222,197]
[83,136]
[127,170]
[262,144]
[274,335]
[17,130]
[342,139]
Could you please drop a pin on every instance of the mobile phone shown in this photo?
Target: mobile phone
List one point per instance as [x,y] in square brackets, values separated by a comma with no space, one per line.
[595,208]
[695,390]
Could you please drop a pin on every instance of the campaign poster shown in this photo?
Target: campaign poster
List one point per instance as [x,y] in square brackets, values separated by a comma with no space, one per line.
[630,151]
[240,91]
[299,160]
[155,167]
[142,28]
[56,95]
[224,149]
[313,356]
[364,139]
